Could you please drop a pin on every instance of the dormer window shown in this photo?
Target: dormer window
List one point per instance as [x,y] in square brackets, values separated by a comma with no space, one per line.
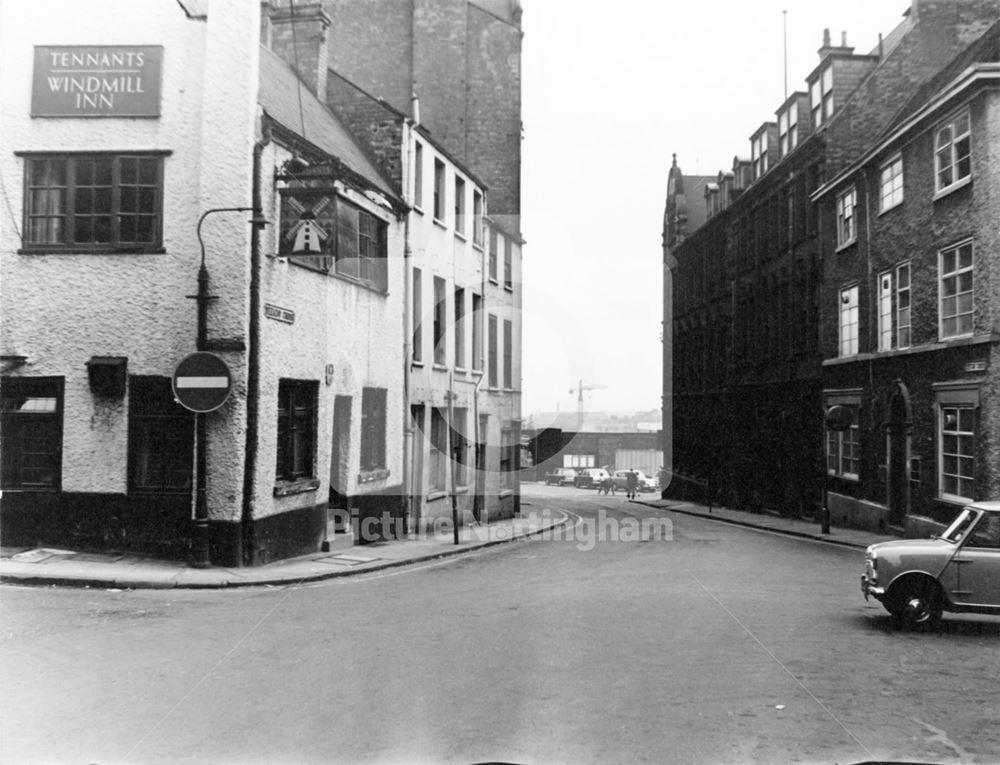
[788,129]
[758,155]
[821,97]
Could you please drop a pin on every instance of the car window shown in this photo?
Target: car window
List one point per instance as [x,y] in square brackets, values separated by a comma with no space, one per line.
[958,529]
[986,533]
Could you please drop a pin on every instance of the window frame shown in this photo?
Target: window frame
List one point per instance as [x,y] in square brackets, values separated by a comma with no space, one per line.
[843,447]
[373,429]
[956,274]
[954,157]
[493,372]
[417,350]
[508,354]
[295,460]
[493,259]
[439,191]
[459,312]
[440,336]
[459,187]
[885,314]
[72,192]
[847,222]
[418,176]
[477,217]
[437,478]
[900,290]
[18,426]
[151,414]
[970,455]
[891,191]
[477,333]
[848,344]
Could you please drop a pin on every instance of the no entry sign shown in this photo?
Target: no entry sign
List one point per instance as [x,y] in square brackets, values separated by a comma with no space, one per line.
[202,382]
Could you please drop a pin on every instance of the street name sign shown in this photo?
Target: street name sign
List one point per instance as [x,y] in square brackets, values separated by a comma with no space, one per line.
[202,382]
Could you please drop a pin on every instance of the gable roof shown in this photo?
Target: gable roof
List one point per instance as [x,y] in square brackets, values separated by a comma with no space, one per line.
[287,100]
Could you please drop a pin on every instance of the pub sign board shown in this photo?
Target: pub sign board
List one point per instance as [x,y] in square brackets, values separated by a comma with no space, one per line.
[96,81]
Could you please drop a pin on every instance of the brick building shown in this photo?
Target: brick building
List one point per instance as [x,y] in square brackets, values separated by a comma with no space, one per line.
[746,300]
[910,305]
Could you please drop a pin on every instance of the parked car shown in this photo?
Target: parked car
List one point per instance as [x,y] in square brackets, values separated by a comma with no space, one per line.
[590,478]
[620,478]
[560,476]
[959,571]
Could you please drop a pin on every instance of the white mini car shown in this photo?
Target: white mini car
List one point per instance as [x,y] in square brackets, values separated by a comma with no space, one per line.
[959,571]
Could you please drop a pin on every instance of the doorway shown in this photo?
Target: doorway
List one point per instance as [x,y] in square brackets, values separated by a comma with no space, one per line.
[897,445]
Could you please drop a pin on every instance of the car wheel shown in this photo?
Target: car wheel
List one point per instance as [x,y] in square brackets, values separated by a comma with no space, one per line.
[915,603]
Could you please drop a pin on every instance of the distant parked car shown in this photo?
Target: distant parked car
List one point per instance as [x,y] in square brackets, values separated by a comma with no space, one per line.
[620,479]
[560,476]
[959,571]
[590,478]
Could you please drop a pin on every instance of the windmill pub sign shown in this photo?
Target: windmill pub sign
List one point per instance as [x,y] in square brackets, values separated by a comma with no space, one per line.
[96,81]
[309,227]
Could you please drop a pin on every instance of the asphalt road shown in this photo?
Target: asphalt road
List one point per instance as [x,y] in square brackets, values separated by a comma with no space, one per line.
[687,641]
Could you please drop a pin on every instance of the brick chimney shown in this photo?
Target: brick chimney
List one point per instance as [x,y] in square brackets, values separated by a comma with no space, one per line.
[827,48]
[298,32]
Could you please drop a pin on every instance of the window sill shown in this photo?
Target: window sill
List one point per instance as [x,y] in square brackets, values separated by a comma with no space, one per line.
[889,209]
[459,370]
[417,363]
[76,250]
[302,486]
[440,367]
[461,489]
[377,474]
[494,281]
[508,287]
[461,235]
[478,245]
[435,495]
[844,476]
[846,245]
[941,193]
[440,224]
[418,208]
[952,500]
[504,493]
[983,339]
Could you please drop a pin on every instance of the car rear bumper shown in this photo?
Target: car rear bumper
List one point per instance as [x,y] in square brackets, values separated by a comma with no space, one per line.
[869,588]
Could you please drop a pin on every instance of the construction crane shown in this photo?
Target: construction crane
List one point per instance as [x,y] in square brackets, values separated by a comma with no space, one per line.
[578,390]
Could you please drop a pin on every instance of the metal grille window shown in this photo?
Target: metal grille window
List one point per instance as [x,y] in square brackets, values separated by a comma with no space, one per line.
[891,184]
[296,429]
[93,202]
[843,449]
[956,291]
[957,453]
[373,428]
[952,152]
[160,438]
[31,414]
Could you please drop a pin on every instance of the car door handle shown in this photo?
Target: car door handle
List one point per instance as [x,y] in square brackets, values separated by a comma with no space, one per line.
[963,560]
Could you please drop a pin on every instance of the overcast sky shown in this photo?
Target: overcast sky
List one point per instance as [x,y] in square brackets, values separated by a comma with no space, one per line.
[610,91]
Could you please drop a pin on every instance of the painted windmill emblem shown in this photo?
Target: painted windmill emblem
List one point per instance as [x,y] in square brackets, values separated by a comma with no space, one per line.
[307,234]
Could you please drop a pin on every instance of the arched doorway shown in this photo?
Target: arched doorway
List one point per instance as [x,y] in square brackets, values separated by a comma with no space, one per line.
[897,456]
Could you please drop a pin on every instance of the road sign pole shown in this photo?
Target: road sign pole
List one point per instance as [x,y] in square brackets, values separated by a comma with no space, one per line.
[200,557]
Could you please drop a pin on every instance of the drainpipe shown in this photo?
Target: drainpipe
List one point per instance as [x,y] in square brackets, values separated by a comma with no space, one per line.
[409,520]
[248,554]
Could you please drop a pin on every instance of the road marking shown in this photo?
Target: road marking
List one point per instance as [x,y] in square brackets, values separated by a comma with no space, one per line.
[787,671]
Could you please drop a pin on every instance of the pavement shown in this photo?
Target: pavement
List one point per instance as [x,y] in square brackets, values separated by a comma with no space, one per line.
[70,568]
[62,567]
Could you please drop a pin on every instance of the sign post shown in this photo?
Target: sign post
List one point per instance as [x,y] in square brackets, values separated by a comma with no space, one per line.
[201,383]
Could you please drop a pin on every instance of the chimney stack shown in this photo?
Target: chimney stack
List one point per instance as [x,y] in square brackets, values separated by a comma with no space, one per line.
[298,32]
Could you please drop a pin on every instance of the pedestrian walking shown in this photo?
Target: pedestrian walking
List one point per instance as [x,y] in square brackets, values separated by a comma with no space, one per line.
[607,485]
[631,484]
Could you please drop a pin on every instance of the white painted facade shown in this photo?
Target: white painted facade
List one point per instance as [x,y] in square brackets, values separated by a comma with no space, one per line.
[63,308]
[473,394]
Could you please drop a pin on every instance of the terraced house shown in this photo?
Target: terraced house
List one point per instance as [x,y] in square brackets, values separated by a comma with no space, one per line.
[792,296]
